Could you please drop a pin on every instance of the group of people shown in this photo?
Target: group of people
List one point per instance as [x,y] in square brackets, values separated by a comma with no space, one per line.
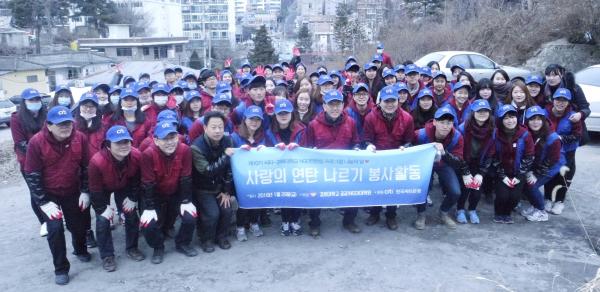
[163,150]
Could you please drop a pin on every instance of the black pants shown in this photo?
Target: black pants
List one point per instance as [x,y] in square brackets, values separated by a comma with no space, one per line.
[507,198]
[214,219]
[315,220]
[36,209]
[558,180]
[390,211]
[167,211]
[246,216]
[104,234]
[56,233]
[290,215]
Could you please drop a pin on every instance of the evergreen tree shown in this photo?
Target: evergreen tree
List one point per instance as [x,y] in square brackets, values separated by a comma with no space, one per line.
[195,61]
[341,30]
[98,12]
[304,42]
[425,8]
[34,14]
[263,52]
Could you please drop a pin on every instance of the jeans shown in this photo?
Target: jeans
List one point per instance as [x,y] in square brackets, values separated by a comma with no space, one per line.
[450,187]
[104,234]
[214,218]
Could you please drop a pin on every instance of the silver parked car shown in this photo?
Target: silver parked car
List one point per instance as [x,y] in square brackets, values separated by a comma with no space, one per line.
[476,64]
[589,80]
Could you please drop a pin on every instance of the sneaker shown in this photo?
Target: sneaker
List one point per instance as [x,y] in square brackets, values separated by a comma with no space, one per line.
[90,240]
[296,228]
[315,231]
[187,250]
[557,208]
[109,264]
[255,230]
[527,212]
[461,217]
[61,279]
[157,256]
[352,227]
[223,243]
[135,254]
[391,223]
[44,229]
[447,220]
[499,219]
[508,219]
[285,229]
[429,201]
[207,246]
[84,257]
[538,216]
[241,234]
[372,220]
[420,222]
[548,205]
[473,217]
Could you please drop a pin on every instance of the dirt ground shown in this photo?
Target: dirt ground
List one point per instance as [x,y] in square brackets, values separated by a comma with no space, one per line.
[550,256]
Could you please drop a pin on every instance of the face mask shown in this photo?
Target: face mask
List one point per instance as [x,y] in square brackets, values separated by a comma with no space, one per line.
[64,101]
[379,51]
[192,86]
[178,99]
[34,106]
[102,102]
[87,116]
[114,99]
[160,100]
[129,110]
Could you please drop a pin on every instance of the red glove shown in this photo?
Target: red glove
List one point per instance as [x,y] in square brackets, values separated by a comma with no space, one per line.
[227,63]
[296,52]
[292,146]
[280,146]
[270,108]
[260,71]
[290,74]
[171,102]
[246,147]
[348,77]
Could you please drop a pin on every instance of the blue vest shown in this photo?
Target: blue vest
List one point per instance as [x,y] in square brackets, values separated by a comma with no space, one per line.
[565,127]
[267,138]
[520,150]
[554,169]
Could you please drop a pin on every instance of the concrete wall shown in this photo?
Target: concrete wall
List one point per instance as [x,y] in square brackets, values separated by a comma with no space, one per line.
[14,83]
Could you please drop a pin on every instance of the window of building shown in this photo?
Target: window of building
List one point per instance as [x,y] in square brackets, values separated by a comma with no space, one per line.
[32,78]
[178,48]
[146,51]
[124,52]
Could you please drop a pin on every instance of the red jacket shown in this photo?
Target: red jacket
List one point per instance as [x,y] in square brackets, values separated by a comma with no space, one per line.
[105,175]
[460,113]
[387,60]
[140,133]
[298,134]
[429,131]
[19,135]
[324,135]
[60,163]
[444,97]
[388,134]
[95,139]
[206,100]
[164,171]
[507,154]
[150,140]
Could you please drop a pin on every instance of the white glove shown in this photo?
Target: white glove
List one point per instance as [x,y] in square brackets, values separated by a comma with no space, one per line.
[509,182]
[129,205]
[531,179]
[467,180]
[280,146]
[477,180]
[147,217]
[515,181]
[84,201]
[190,208]
[563,170]
[371,148]
[52,211]
[260,147]
[108,213]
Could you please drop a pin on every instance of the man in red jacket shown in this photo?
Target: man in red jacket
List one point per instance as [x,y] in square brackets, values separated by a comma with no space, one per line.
[386,59]
[116,168]
[56,173]
[167,189]
[209,78]
[387,127]
[333,129]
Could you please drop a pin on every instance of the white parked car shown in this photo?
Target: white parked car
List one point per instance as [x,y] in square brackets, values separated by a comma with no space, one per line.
[6,110]
[476,64]
[589,80]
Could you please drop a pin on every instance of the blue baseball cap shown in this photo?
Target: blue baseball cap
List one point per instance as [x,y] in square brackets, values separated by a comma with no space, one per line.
[411,68]
[88,96]
[351,59]
[253,112]
[440,74]
[401,87]
[562,92]
[256,81]
[281,82]
[181,85]
[142,85]
[398,67]
[223,86]
[246,64]
[128,92]
[425,92]
[534,79]
[426,71]
[360,86]
[352,67]
[189,95]
[504,109]
[30,93]
[335,73]
[128,79]
[225,72]
[480,104]
[245,79]
[62,87]
[533,111]
[118,133]
[164,128]
[459,85]
[376,58]
[221,97]
[101,86]
[388,92]
[283,105]
[369,66]
[332,95]
[168,70]
[59,114]
[277,67]
[167,115]
[380,46]
[456,66]
[160,87]
[324,79]
[387,72]
[442,111]
[114,89]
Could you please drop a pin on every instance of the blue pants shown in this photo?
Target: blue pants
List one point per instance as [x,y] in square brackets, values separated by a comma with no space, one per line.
[450,187]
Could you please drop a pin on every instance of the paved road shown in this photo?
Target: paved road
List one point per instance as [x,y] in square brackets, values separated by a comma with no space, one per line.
[551,256]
